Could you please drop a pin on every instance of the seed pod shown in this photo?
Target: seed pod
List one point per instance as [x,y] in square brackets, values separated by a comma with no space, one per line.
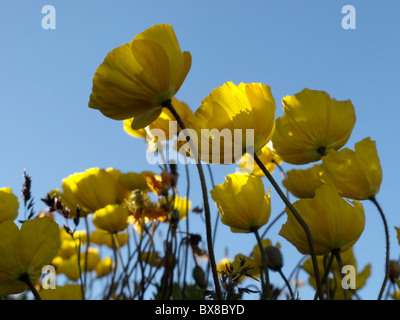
[274,257]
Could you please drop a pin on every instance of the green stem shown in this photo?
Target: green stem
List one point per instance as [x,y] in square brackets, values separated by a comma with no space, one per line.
[326,274]
[287,284]
[87,251]
[336,252]
[207,213]
[387,257]
[299,219]
[115,268]
[266,286]
[187,231]
[25,278]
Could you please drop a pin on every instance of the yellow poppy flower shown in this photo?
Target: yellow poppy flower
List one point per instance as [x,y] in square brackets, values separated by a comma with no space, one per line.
[133,181]
[66,292]
[122,193]
[231,121]
[348,259]
[9,205]
[25,251]
[161,123]
[70,266]
[70,244]
[104,267]
[101,237]
[249,262]
[356,174]
[67,249]
[312,125]
[182,205]
[136,78]
[221,265]
[234,268]
[91,190]
[112,218]
[334,222]
[303,183]
[242,202]
[266,156]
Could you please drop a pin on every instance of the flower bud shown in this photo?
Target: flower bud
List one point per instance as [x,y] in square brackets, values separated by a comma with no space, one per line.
[274,257]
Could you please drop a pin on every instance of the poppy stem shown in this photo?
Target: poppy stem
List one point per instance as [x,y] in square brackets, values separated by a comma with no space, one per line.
[299,219]
[167,104]
[373,199]
[25,278]
[292,297]
[336,252]
[327,270]
[264,259]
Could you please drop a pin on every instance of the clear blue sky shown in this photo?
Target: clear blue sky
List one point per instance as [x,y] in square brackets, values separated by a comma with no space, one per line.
[46,77]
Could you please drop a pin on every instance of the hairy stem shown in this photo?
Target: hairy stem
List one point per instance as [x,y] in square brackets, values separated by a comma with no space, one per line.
[266,293]
[25,278]
[207,213]
[387,257]
[299,219]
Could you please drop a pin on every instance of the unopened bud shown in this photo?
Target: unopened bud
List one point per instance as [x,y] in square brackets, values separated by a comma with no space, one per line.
[199,277]
[274,257]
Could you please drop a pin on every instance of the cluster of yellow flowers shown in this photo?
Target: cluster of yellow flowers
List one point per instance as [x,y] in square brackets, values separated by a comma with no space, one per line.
[137,83]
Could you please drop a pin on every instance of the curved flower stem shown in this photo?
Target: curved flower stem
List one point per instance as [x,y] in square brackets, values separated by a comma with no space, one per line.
[295,272]
[266,293]
[114,247]
[299,219]
[373,199]
[87,251]
[25,278]
[217,216]
[326,274]
[187,230]
[207,213]
[336,252]
[287,284]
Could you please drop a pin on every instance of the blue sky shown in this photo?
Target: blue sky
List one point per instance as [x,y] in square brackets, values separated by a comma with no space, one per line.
[46,77]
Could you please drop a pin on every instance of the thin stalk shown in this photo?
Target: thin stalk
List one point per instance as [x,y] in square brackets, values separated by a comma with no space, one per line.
[387,257]
[336,252]
[27,280]
[287,284]
[296,270]
[115,268]
[207,213]
[78,249]
[326,274]
[87,251]
[299,219]
[187,230]
[216,218]
[266,293]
